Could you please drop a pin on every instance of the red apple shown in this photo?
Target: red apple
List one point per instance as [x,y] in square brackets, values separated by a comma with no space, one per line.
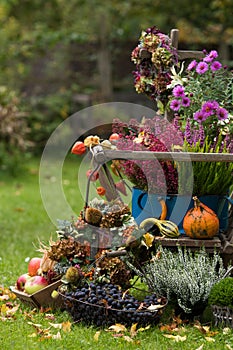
[20,283]
[33,266]
[34,284]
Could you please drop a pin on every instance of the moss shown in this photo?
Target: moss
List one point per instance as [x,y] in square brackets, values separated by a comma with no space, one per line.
[221,293]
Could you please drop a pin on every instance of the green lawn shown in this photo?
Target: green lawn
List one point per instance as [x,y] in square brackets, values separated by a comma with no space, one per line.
[24,221]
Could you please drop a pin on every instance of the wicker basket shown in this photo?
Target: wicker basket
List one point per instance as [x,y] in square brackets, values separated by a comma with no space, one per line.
[223,316]
[102,315]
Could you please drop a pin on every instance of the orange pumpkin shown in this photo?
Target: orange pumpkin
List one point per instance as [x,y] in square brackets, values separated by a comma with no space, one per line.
[200,222]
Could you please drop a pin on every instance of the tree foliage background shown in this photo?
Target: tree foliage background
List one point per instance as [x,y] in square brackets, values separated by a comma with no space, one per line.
[61,56]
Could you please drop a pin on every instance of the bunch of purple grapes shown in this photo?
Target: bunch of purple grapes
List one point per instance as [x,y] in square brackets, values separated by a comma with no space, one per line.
[106,304]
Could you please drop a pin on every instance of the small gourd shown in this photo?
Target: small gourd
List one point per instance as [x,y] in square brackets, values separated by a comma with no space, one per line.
[200,222]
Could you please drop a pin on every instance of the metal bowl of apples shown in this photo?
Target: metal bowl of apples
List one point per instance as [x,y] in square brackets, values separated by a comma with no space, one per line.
[34,289]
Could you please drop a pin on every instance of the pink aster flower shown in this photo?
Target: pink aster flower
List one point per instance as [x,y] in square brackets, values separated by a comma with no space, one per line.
[222,113]
[208,108]
[199,116]
[202,67]
[185,101]
[175,105]
[216,65]
[178,91]
[211,56]
[192,65]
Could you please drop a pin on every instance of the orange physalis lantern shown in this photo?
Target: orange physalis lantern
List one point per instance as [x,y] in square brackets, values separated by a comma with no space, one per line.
[78,148]
[101,191]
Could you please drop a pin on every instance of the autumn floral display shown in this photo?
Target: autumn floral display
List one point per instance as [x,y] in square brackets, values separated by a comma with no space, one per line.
[153,56]
[197,96]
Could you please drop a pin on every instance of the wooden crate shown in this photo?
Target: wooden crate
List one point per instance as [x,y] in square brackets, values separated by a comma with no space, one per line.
[42,298]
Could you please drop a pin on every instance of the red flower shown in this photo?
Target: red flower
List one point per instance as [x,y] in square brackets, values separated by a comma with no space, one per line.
[78,148]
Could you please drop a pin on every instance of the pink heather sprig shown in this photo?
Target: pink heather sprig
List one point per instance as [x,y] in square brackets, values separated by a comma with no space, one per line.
[154,134]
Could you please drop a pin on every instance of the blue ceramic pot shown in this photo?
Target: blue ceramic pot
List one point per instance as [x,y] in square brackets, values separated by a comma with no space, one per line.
[145,206]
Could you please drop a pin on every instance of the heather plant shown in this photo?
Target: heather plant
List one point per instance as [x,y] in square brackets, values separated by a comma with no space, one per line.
[209,178]
[148,135]
[184,276]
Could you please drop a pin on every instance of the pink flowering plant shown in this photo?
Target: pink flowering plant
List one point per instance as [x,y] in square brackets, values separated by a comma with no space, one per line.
[198,98]
[203,97]
[202,103]
[148,135]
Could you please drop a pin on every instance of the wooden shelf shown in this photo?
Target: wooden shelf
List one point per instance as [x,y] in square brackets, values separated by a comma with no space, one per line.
[211,245]
[102,156]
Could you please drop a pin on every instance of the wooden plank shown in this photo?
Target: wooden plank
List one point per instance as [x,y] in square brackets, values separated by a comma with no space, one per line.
[191,243]
[183,54]
[107,155]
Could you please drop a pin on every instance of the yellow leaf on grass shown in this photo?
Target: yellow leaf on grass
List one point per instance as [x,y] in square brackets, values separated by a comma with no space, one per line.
[133,330]
[128,339]
[118,328]
[200,347]
[96,336]
[56,336]
[209,339]
[175,337]
[229,347]
[226,330]
[66,326]
[141,329]
[56,325]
